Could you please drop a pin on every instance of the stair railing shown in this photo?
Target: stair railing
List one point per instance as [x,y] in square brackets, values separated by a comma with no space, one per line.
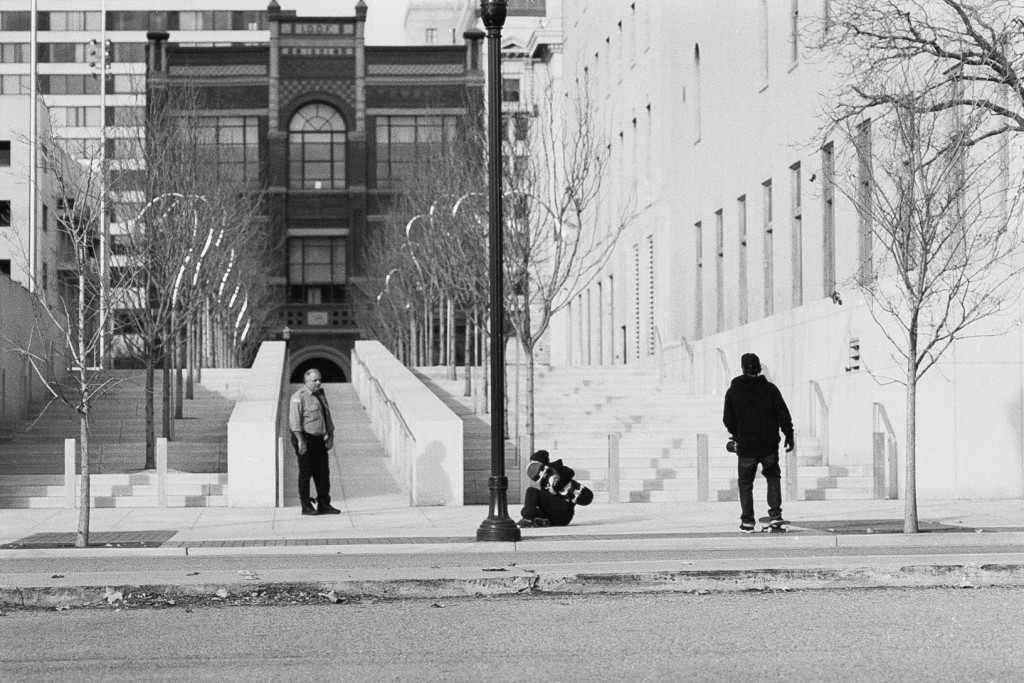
[885,461]
[819,419]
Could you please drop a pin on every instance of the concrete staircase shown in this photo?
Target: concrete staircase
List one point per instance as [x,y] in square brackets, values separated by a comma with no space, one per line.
[32,452]
[581,411]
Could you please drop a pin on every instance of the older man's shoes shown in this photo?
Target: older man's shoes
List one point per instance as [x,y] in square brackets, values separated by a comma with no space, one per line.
[327,509]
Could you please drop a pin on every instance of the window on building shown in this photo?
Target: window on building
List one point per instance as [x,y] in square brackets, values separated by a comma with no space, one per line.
[5,213]
[316,148]
[126,116]
[128,52]
[233,142]
[46,218]
[430,36]
[15,84]
[521,127]
[509,89]
[828,219]
[769,249]
[15,53]
[696,94]
[719,271]
[864,198]
[5,152]
[75,117]
[65,53]
[316,269]
[405,143]
[5,266]
[69,84]
[128,21]
[797,226]
[764,43]
[794,30]
[70,21]
[46,276]
[15,21]
[698,290]
[129,83]
[741,220]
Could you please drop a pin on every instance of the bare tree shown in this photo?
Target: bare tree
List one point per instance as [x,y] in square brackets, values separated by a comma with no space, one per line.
[190,242]
[69,369]
[937,199]
[971,50]
[561,226]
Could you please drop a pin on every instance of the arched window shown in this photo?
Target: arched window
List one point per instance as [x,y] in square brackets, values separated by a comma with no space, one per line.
[316,148]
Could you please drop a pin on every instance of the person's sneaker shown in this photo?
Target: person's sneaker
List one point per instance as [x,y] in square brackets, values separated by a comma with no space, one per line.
[327,509]
[746,528]
[541,522]
[526,523]
[308,510]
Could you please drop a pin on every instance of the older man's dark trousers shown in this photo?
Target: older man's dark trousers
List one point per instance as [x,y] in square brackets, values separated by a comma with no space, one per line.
[747,471]
[313,464]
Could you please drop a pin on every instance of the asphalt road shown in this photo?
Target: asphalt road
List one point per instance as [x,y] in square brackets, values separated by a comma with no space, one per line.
[861,635]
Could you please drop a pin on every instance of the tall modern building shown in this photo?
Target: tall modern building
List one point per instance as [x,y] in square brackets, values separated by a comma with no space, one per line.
[743,243]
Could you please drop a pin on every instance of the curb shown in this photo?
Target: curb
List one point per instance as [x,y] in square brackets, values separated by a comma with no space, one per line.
[516,582]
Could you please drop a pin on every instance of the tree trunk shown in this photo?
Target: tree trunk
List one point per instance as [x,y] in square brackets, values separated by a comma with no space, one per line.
[166,349]
[150,406]
[179,378]
[84,499]
[190,357]
[468,358]
[910,510]
[530,425]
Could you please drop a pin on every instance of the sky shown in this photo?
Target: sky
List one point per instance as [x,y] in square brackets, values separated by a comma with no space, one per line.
[384,18]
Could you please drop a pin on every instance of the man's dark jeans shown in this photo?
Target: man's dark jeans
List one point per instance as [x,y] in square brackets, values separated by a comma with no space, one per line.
[539,503]
[313,464]
[747,471]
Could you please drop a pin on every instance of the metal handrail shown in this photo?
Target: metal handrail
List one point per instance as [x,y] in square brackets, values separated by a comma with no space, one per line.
[391,405]
[820,431]
[880,412]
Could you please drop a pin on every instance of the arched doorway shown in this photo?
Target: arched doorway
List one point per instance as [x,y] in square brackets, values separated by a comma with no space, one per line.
[329,370]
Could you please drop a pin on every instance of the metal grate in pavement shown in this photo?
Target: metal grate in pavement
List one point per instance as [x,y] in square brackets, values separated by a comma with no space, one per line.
[153,538]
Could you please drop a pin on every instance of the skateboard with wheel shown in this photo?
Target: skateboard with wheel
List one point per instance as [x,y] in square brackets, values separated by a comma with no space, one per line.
[770,526]
[557,478]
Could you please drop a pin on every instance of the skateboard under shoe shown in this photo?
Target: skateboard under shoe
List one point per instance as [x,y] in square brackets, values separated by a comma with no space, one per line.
[773,526]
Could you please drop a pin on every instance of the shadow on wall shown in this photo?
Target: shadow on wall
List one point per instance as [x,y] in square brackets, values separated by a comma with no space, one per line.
[329,371]
[433,487]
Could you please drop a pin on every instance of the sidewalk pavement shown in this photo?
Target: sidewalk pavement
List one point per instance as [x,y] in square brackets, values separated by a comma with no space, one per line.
[611,547]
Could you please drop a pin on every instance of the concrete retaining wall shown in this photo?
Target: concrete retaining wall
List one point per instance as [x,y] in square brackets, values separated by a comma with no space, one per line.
[423,437]
[253,431]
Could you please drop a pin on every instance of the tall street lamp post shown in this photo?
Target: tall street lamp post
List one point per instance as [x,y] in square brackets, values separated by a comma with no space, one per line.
[498,526]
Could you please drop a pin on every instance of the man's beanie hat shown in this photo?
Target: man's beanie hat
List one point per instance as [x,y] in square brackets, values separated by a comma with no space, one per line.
[750,363]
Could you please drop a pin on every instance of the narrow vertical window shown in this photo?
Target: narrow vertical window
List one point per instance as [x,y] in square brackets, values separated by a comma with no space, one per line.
[698,289]
[741,219]
[794,31]
[719,271]
[696,94]
[797,226]
[651,331]
[828,219]
[599,341]
[637,307]
[864,198]
[763,38]
[769,250]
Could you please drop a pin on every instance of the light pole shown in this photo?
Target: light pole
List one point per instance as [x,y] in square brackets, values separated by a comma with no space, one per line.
[498,526]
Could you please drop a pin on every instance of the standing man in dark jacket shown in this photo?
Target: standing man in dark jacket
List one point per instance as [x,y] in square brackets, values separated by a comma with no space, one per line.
[754,415]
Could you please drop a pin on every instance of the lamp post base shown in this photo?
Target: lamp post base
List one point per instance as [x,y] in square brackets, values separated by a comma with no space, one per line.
[498,526]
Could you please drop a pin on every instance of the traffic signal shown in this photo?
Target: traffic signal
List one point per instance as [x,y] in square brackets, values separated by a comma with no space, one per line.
[95,58]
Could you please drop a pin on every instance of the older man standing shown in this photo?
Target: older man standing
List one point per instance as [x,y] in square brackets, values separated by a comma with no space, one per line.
[309,419]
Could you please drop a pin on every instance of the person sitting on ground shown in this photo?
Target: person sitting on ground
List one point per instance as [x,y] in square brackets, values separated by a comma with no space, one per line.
[552,501]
